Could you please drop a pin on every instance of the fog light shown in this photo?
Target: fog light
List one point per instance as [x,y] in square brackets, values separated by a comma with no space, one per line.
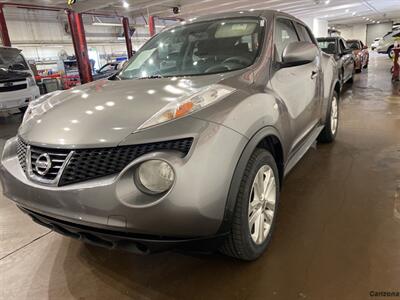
[156,176]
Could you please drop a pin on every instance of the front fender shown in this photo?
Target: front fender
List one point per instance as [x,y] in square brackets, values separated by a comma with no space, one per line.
[246,113]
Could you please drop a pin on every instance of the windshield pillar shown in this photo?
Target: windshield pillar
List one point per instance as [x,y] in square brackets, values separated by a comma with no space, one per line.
[3,29]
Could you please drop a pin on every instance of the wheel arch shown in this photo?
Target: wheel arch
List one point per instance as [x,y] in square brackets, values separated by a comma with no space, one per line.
[266,138]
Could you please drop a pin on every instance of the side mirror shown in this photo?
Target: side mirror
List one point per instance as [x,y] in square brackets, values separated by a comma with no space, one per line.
[299,53]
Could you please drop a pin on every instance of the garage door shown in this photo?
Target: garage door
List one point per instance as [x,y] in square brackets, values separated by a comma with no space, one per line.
[375,31]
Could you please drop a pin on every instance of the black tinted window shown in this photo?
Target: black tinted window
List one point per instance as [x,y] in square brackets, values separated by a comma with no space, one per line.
[328,46]
[284,35]
[354,45]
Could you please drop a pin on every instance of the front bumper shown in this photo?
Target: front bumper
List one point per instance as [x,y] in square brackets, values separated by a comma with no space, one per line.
[17,99]
[382,49]
[136,243]
[194,207]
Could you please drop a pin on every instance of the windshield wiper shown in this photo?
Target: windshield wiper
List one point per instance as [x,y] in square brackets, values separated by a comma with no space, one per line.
[151,77]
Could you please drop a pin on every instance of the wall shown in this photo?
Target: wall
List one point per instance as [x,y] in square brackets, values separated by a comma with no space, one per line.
[356,31]
[319,27]
[375,31]
[43,35]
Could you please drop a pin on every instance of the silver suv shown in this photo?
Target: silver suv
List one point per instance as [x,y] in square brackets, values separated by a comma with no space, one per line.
[186,146]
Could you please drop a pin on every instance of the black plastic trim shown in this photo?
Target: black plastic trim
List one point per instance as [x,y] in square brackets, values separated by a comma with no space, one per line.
[112,239]
[239,172]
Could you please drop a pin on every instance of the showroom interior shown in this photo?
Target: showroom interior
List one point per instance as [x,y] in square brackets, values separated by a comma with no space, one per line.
[146,146]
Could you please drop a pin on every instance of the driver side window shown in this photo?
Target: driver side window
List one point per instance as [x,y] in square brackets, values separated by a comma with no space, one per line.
[285,34]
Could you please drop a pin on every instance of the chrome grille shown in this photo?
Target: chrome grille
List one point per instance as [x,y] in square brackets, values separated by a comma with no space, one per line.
[12,88]
[57,157]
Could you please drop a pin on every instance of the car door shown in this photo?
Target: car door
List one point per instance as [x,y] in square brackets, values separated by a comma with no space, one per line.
[347,59]
[297,86]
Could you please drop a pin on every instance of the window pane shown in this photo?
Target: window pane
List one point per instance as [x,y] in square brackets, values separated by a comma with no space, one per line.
[200,48]
[284,35]
[328,46]
[304,35]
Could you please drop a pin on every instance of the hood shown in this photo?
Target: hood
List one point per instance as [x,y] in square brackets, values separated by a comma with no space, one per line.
[104,112]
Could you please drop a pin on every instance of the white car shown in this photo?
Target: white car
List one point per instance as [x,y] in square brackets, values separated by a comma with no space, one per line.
[375,44]
[17,83]
[386,44]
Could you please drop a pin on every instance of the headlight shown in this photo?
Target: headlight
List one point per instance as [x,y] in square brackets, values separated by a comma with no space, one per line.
[35,103]
[154,176]
[31,81]
[181,108]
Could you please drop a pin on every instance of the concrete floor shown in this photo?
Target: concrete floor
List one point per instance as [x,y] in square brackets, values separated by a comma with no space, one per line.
[337,236]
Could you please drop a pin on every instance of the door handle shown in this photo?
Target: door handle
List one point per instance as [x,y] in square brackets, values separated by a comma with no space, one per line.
[314,74]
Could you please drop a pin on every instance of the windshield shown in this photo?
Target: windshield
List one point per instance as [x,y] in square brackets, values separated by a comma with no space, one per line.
[328,46]
[353,45]
[201,48]
[8,61]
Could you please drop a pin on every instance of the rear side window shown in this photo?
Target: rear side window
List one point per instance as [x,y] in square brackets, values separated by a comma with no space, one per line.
[285,34]
[304,34]
[343,46]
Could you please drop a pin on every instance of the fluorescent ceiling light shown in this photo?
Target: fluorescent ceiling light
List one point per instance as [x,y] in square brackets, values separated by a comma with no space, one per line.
[125,4]
[106,24]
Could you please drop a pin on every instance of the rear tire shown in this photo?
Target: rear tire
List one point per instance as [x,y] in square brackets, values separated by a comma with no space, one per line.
[328,134]
[244,241]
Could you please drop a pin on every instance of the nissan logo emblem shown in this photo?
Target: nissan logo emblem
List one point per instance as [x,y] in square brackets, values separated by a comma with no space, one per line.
[43,164]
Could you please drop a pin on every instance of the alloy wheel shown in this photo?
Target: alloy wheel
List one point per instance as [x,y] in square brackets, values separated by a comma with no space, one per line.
[334,115]
[262,204]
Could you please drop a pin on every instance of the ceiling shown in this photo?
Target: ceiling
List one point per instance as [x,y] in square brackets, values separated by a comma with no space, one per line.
[335,11]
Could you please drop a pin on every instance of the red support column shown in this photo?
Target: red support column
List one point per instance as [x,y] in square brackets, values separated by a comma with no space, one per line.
[80,46]
[3,29]
[152,27]
[396,67]
[127,34]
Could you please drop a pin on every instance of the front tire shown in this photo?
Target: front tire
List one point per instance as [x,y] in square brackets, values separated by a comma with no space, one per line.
[390,52]
[256,206]
[328,134]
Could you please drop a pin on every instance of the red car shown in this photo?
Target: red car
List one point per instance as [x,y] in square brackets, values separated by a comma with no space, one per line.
[361,54]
